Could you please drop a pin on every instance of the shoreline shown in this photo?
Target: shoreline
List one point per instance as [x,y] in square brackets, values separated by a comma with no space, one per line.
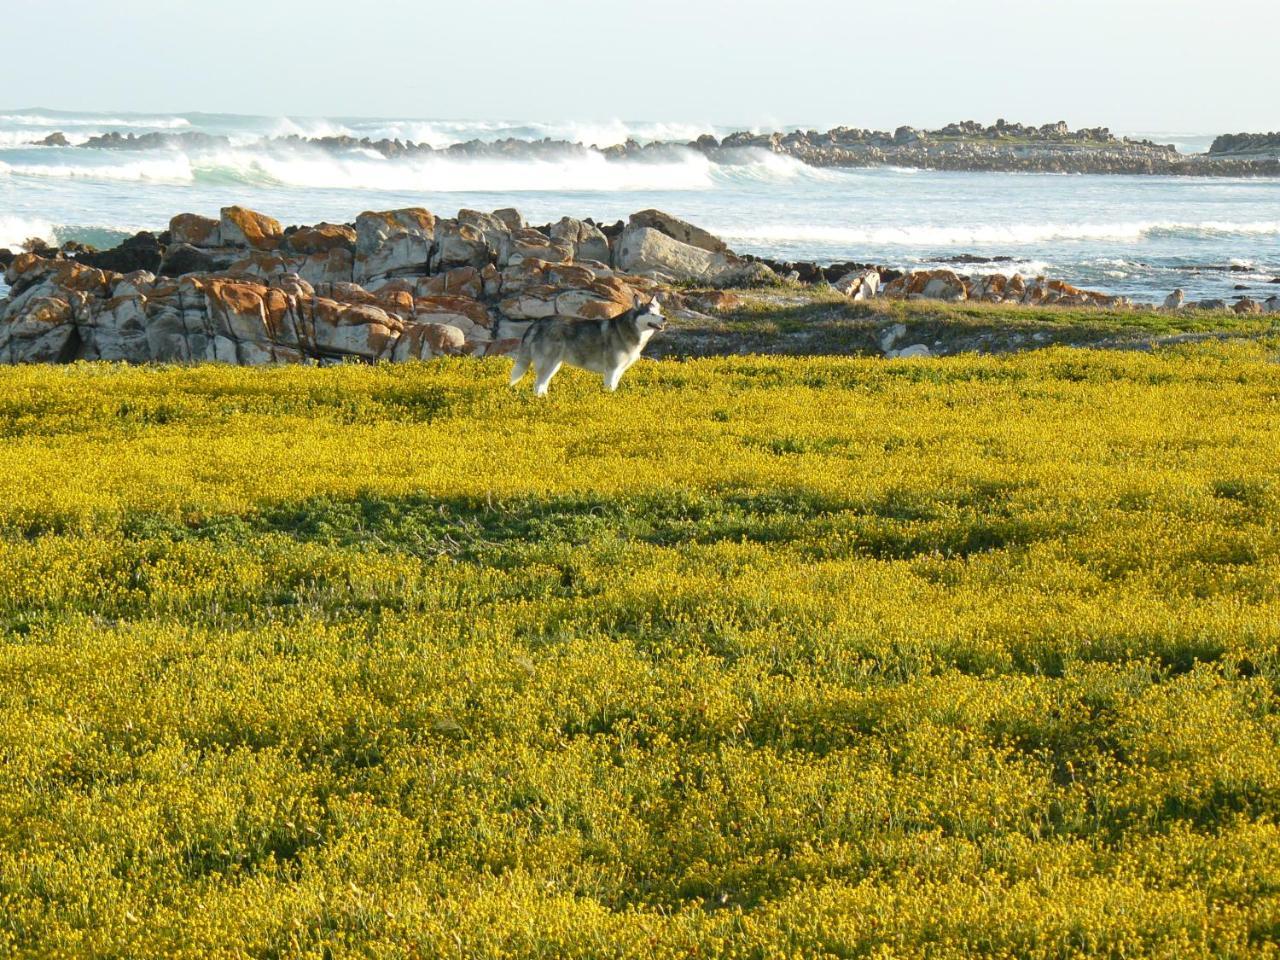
[404,284]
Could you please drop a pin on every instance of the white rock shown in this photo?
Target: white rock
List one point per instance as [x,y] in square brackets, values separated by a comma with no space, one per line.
[892,336]
[915,350]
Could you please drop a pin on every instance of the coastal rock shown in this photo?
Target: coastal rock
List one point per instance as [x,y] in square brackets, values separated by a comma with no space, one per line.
[195,230]
[891,336]
[142,251]
[532,245]
[511,217]
[586,240]
[1248,307]
[497,236]
[116,329]
[352,329]
[321,238]
[422,341]
[648,252]
[678,229]
[1272,305]
[393,243]
[927,285]
[458,282]
[241,227]
[43,332]
[859,285]
[1175,300]
[906,353]
[459,244]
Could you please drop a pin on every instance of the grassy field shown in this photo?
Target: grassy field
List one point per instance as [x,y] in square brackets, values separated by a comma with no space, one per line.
[755,658]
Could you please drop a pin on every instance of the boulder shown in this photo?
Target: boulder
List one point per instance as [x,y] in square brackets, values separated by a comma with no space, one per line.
[532,245]
[193,229]
[602,300]
[241,227]
[511,217]
[649,252]
[928,285]
[678,229]
[359,330]
[1174,300]
[422,341]
[321,238]
[142,251]
[181,259]
[393,243]
[859,285]
[458,282]
[45,332]
[1272,305]
[587,240]
[906,353]
[459,244]
[1248,307]
[530,303]
[117,328]
[891,336]
[497,235]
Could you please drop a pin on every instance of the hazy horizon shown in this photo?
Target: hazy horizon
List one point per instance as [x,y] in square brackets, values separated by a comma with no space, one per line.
[1131,65]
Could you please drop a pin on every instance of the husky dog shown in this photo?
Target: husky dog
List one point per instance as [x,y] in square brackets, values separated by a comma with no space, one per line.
[607,347]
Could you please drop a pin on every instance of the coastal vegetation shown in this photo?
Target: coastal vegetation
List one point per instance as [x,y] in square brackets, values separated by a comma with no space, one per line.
[758,657]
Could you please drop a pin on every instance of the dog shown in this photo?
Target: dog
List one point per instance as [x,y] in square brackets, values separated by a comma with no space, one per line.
[606,347]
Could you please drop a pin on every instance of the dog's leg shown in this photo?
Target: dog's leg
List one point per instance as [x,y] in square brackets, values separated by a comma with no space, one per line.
[612,377]
[521,365]
[544,378]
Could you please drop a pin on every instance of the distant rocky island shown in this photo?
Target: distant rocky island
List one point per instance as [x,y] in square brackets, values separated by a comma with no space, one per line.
[967,146]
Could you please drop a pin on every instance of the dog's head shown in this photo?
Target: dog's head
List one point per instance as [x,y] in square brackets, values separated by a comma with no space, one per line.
[648,314]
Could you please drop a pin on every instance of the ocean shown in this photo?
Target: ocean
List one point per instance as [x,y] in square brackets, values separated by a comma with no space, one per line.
[1133,235]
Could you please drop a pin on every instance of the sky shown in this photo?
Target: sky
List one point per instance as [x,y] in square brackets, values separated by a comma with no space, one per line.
[1132,65]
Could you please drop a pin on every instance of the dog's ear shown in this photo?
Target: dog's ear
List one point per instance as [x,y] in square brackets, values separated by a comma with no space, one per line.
[655,301]
[637,301]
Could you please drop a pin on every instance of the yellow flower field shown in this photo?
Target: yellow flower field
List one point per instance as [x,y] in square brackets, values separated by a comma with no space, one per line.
[755,658]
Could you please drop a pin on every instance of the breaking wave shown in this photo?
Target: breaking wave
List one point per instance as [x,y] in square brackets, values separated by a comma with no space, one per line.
[53,121]
[17,230]
[305,167]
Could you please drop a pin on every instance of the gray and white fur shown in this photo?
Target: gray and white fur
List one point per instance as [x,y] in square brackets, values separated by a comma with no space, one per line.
[606,347]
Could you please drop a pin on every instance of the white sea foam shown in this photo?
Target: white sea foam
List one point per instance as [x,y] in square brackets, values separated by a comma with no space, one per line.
[15,231]
[91,120]
[166,167]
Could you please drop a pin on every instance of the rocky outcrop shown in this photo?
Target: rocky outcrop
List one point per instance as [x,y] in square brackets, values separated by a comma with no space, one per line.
[1245,143]
[968,145]
[678,229]
[397,285]
[995,288]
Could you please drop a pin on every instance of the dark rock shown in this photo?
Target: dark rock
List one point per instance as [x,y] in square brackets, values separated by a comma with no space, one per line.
[142,251]
[973,258]
[182,258]
[58,139]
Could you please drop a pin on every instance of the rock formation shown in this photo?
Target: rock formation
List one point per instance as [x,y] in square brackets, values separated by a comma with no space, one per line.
[395,285]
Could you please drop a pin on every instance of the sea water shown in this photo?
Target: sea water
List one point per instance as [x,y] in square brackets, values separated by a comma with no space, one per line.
[1140,236]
